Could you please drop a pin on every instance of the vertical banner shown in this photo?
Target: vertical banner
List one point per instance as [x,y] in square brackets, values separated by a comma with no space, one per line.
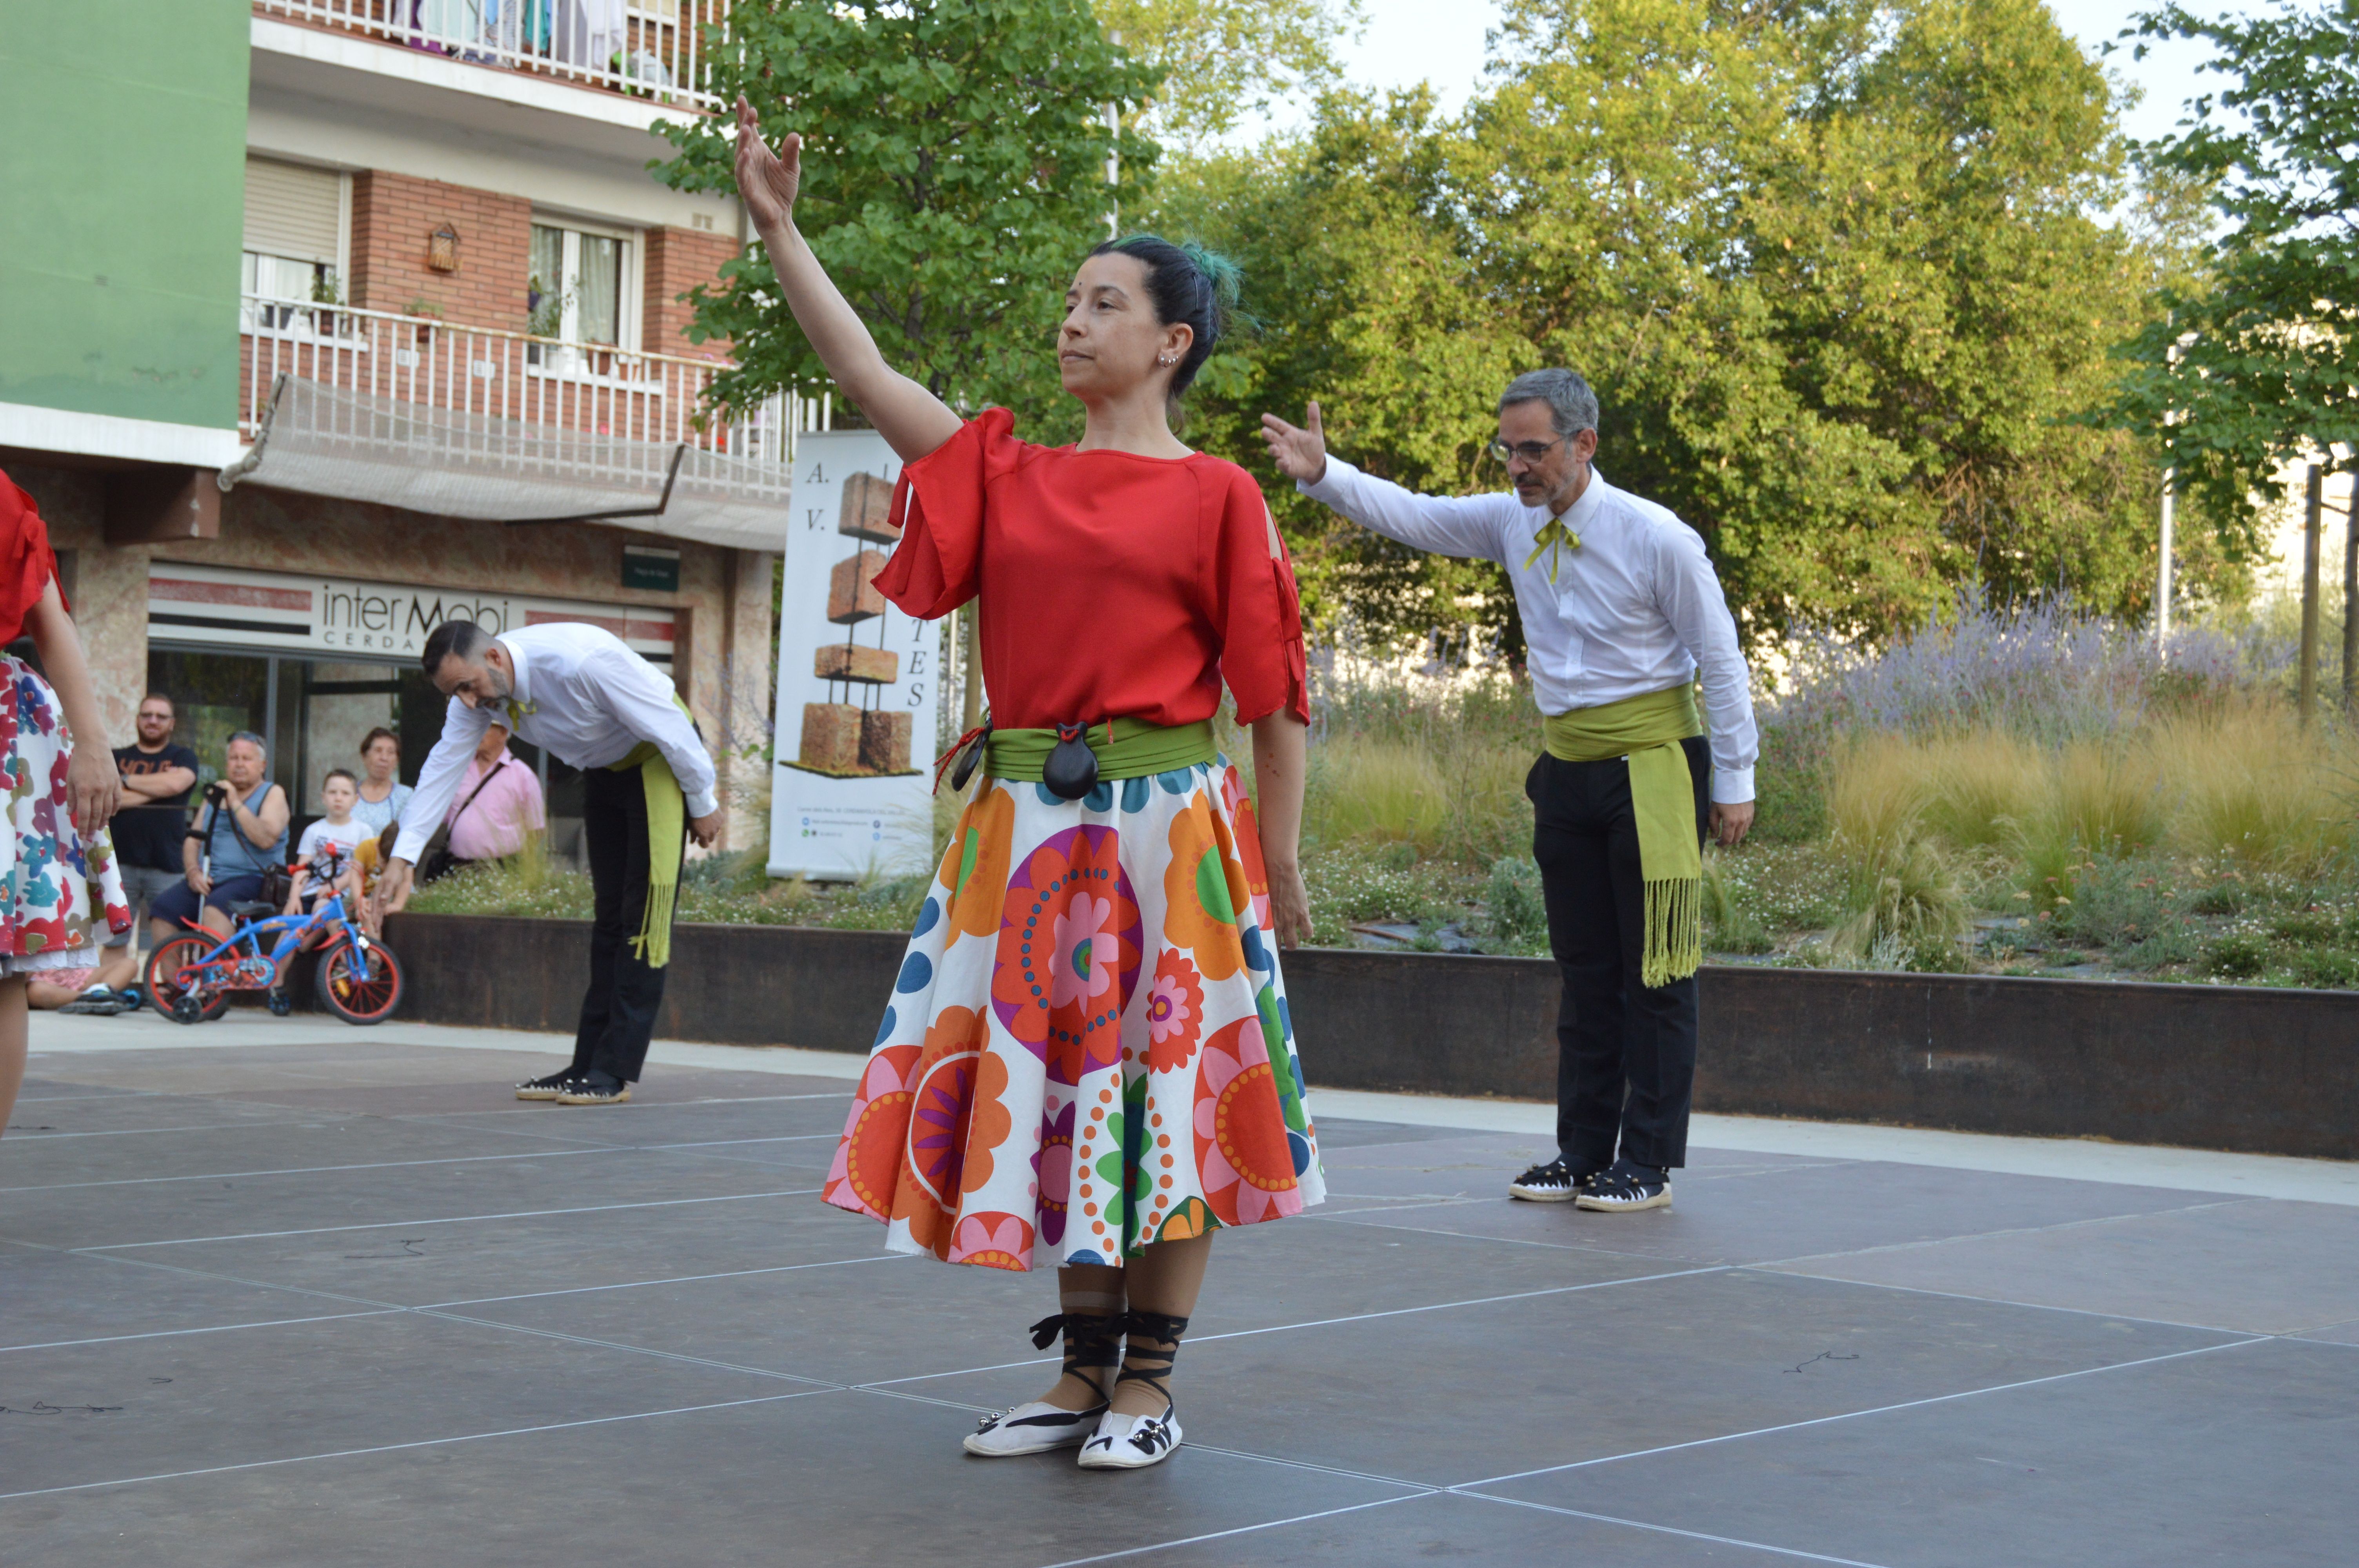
[851,790]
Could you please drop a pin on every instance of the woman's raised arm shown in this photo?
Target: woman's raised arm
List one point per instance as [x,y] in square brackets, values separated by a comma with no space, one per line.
[912,420]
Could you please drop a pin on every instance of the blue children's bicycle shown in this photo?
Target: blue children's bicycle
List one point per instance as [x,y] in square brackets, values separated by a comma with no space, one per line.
[190,977]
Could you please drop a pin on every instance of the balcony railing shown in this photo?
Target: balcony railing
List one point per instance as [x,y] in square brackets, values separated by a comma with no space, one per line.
[652,49]
[580,387]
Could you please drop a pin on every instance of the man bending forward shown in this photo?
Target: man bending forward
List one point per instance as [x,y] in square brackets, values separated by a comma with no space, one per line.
[582,695]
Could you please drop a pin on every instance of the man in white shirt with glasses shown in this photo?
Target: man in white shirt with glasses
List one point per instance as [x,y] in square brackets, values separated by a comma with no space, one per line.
[1624,618]
[581,694]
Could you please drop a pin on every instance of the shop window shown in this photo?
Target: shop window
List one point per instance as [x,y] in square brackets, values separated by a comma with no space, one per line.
[583,287]
[311,715]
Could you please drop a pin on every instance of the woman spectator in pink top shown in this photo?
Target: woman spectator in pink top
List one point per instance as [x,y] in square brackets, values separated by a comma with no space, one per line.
[498,803]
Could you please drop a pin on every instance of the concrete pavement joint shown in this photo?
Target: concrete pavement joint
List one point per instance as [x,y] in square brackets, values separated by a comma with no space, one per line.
[451,1160]
[452,1220]
[1240,1529]
[422,1443]
[1667,1530]
[1854,1415]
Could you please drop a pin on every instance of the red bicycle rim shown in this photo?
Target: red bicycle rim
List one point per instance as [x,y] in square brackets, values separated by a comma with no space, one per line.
[366,997]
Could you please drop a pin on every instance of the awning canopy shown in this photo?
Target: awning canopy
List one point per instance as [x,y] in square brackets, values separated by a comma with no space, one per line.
[358,446]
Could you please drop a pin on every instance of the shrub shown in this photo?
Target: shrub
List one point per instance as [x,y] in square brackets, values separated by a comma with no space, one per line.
[1903,891]
[1514,914]
[1729,927]
[1981,784]
[2237,955]
[2254,787]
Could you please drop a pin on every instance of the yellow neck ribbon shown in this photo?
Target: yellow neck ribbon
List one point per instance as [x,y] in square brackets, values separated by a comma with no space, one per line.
[1553,538]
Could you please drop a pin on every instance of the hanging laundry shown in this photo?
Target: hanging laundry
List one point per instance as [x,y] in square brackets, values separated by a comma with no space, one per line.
[589,32]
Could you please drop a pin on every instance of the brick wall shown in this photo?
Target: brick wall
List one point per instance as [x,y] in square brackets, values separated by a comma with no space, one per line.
[393,215]
[677,260]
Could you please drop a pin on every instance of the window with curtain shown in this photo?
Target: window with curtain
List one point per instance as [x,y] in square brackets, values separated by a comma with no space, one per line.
[577,283]
[294,217]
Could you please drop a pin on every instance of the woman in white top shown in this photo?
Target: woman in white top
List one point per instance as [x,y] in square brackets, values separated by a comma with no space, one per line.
[382,794]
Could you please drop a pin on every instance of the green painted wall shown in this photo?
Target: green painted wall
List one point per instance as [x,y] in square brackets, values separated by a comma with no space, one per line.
[122,206]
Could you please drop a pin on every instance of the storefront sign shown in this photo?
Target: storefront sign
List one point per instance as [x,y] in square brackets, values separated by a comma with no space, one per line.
[851,789]
[227,607]
[651,568]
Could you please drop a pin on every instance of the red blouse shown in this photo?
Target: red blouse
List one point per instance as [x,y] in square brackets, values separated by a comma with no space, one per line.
[1112,586]
[27,562]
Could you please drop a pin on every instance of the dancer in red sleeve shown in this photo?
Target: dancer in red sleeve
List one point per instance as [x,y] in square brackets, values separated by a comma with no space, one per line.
[58,876]
[1087,1062]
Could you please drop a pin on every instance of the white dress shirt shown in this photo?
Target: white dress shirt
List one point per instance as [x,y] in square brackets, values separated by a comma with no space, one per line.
[1636,609]
[582,696]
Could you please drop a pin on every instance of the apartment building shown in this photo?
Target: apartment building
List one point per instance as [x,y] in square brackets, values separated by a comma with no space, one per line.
[331,318]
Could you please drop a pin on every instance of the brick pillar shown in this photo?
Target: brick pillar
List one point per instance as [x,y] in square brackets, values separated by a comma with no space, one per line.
[677,260]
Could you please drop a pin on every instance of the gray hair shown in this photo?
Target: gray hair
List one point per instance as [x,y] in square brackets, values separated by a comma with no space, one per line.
[250,738]
[1572,406]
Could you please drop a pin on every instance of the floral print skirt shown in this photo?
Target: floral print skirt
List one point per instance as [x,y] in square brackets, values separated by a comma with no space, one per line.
[1088,1048]
[60,898]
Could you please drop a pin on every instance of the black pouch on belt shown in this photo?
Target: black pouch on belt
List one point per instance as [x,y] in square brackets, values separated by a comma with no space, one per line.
[1071,770]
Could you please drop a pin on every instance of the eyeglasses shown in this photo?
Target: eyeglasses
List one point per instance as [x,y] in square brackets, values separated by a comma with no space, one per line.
[1530,452]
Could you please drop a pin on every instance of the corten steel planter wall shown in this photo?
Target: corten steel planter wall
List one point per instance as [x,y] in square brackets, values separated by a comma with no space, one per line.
[2261,1071]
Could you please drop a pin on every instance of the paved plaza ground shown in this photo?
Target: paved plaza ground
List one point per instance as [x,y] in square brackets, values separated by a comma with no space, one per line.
[279,1291]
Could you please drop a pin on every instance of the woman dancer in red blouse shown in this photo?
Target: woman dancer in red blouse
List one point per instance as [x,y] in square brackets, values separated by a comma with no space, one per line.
[58,877]
[1087,1061]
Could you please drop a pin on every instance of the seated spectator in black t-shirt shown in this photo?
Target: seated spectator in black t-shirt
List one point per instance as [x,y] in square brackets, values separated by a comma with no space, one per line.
[156,778]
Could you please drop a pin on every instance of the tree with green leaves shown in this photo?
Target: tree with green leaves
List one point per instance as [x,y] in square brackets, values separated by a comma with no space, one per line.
[1223,60]
[1837,269]
[2255,363]
[961,173]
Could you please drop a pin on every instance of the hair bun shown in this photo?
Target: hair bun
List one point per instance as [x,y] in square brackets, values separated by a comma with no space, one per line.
[1187,283]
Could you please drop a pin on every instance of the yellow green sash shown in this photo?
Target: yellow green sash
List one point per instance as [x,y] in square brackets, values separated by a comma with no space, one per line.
[1135,748]
[667,827]
[1648,730]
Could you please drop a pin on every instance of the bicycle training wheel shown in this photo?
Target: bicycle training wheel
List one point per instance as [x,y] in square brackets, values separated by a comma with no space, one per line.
[344,992]
[165,992]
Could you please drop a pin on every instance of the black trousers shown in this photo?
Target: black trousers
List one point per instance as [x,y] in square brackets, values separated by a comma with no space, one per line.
[618,1012]
[1625,1052]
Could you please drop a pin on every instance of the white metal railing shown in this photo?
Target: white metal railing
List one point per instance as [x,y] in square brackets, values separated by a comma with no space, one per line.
[505,376]
[648,48]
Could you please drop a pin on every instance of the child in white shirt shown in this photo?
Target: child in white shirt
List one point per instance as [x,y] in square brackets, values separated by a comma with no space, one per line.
[326,850]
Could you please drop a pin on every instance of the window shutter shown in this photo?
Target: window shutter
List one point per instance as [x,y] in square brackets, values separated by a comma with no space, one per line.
[291,211]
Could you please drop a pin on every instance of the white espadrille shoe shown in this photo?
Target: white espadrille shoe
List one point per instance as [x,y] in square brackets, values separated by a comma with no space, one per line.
[1036,1426]
[1033,1428]
[1131,1442]
[1135,1441]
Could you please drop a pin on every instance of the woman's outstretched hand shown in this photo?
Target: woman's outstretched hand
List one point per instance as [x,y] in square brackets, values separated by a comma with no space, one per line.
[767,180]
[1299,454]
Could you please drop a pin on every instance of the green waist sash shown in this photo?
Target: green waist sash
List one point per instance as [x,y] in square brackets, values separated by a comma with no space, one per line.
[1648,730]
[666,830]
[1125,747]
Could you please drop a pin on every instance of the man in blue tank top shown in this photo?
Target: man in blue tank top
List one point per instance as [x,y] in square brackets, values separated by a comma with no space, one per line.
[240,832]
